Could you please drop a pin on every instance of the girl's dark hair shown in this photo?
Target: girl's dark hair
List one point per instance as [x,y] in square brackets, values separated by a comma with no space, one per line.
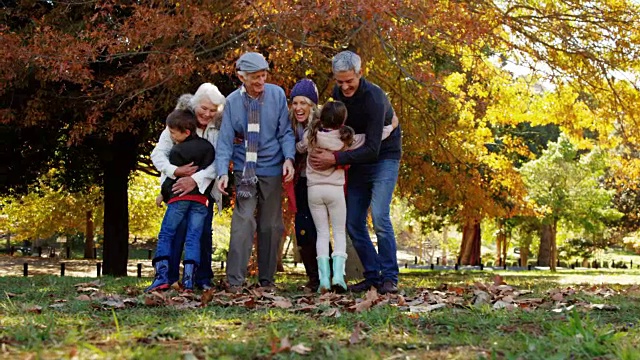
[182,120]
[332,116]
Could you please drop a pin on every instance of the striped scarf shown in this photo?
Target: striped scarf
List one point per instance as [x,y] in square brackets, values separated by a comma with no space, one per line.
[249,178]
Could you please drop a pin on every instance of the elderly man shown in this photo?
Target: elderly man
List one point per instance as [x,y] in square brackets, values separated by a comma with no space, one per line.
[373,173]
[256,135]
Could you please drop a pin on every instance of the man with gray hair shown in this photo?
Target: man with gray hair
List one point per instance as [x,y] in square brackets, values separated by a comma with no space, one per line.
[257,136]
[372,174]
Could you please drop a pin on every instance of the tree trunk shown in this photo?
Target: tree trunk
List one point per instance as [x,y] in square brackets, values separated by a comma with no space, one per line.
[470,246]
[445,243]
[353,268]
[118,162]
[524,255]
[554,246]
[89,243]
[501,243]
[544,254]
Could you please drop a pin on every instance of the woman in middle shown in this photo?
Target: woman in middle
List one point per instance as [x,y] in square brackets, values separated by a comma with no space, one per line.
[304,109]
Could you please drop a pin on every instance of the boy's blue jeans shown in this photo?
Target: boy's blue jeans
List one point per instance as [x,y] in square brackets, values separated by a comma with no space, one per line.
[373,185]
[195,214]
[204,272]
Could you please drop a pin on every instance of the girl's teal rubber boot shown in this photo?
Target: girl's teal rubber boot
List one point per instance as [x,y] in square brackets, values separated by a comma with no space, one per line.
[324,270]
[339,285]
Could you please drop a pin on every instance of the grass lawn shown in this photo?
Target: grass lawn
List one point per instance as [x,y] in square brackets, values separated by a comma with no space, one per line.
[439,315]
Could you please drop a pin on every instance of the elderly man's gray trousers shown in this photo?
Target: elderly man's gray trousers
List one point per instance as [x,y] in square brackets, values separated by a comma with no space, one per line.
[265,205]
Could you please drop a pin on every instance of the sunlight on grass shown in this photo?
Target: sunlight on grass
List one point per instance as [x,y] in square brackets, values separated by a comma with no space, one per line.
[89,330]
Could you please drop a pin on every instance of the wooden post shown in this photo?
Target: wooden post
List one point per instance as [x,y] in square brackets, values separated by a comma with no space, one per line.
[139,270]
[98,269]
[61,269]
[25,269]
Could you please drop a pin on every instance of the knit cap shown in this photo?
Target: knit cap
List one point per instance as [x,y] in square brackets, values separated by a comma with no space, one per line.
[306,88]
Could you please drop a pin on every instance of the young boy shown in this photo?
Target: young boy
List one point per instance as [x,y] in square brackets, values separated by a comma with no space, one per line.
[188,148]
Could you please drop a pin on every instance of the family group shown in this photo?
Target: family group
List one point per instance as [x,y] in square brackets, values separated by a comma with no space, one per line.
[335,163]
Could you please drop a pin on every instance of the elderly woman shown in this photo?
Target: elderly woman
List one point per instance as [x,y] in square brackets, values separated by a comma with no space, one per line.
[207,104]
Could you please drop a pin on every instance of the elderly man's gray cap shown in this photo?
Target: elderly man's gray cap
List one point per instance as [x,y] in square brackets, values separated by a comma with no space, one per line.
[251,62]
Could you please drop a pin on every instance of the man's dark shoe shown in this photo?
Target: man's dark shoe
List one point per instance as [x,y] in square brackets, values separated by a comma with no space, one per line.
[267,285]
[388,287]
[362,286]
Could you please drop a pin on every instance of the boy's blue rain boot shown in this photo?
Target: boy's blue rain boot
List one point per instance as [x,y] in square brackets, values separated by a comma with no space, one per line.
[188,276]
[161,280]
[324,272]
[339,286]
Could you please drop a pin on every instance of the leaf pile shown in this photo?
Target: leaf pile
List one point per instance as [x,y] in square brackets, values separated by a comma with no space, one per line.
[497,295]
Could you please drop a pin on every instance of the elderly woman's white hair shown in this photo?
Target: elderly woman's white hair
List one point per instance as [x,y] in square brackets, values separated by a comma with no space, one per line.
[208,91]
[205,91]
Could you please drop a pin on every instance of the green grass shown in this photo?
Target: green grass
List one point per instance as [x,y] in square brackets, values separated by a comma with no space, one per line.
[86,329]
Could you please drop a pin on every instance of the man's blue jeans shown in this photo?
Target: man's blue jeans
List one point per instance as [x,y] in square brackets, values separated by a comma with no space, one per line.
[194,213]
[373,185]
[204,272]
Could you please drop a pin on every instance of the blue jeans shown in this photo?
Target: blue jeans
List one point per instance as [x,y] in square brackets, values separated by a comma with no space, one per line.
[204,272]
[373,185]
[194,213]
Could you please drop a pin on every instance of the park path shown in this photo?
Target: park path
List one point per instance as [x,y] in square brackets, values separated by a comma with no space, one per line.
[14,265]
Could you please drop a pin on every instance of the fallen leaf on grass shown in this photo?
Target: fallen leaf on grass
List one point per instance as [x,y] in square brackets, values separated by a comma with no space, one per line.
[481,298]
[428,308]
[355,335]
[33,309]
[557,297]
[154,299]
[300,349]
[306,308]
[94,283]
[114,303]
[562,309]
[401,301]
[503,305]
[498,280]
[480,286]
[282,303]
[372,294]
[285,345]
[206,297]
[332,312]
[456,289]
[361,306]
[132,291]
[86,289]
[606,307]
[507,299]
[83,297]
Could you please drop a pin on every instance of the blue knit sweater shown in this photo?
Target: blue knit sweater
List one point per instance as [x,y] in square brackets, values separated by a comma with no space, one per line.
[277,141]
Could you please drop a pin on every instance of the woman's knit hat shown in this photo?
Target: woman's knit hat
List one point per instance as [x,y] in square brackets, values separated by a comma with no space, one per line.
[306,88]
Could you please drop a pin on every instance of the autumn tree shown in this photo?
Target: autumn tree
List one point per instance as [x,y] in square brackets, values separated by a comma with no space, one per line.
[125,63]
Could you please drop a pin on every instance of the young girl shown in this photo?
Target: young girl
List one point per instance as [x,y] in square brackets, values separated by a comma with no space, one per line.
[325,188]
